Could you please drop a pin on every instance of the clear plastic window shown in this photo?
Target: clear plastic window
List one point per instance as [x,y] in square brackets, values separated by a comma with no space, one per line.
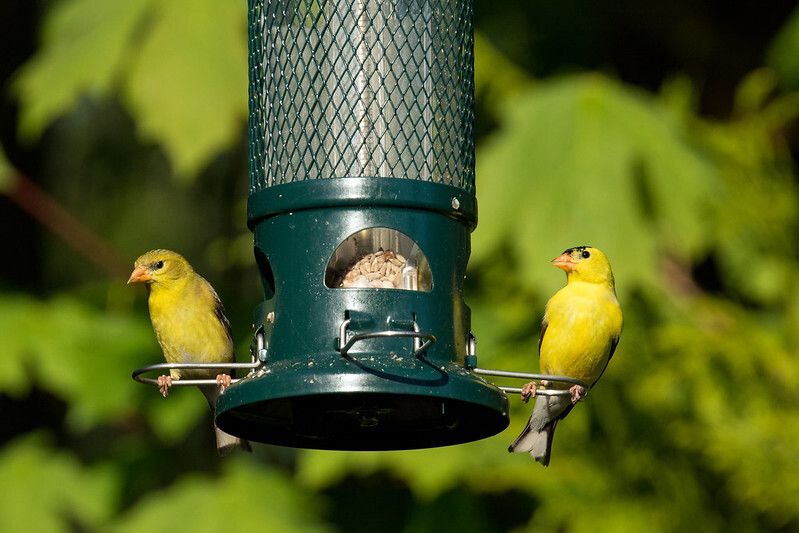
[379,258]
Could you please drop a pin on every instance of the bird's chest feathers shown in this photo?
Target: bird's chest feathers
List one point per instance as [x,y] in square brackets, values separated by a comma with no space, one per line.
[185,331]
[582,319]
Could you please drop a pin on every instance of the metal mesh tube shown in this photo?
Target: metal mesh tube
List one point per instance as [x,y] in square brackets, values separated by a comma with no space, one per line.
[361,88]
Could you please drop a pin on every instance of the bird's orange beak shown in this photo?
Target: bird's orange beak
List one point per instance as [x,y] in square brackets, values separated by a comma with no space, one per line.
[564,262]
[139,275]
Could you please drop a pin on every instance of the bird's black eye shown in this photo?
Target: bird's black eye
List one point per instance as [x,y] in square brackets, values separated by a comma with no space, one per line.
[159,265]
[586,254]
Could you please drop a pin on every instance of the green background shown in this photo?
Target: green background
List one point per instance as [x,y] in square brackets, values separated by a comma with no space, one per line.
[664,134]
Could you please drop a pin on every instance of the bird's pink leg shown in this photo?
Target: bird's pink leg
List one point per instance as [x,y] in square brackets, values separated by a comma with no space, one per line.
[164,382]
[528,391]
[223,380]
[577,392]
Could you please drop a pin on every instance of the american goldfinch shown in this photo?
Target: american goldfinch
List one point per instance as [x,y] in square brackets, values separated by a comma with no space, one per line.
[190,325]
[581,328]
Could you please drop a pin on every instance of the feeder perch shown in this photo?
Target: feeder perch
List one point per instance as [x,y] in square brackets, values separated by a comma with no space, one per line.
[545,380]
[362,201]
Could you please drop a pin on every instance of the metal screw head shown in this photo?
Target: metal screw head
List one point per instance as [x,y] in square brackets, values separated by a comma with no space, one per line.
[455,203]
[270,317]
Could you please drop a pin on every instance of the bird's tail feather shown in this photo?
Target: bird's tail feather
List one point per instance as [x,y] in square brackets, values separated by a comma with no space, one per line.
[226,443]
[537,443]
[543,455]
[536,438]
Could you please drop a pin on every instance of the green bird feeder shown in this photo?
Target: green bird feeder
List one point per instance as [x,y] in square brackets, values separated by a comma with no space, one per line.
[361,169]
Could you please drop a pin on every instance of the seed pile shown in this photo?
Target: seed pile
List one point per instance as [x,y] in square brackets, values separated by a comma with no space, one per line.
[381,269]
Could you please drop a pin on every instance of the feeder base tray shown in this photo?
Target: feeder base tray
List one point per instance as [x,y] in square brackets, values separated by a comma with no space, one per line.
[361,408]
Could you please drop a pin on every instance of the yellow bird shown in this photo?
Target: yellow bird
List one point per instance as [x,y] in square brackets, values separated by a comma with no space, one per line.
[581,328]
[190,324]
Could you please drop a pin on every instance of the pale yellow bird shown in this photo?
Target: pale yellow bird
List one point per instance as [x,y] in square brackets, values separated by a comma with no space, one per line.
[190,324]
[581,328]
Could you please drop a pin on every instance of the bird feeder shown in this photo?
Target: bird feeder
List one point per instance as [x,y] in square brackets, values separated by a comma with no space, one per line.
[362,202]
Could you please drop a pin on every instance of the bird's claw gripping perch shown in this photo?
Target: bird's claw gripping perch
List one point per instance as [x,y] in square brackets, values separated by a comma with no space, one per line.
[164,382]
[223,380]
[577,392]
[528,391]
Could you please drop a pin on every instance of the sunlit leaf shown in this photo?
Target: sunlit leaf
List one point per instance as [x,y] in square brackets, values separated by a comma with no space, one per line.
[495,77]
[583,160]
[247,497]
[756,218]
[181,66]
[431,472]
[85,357]
[84,47]
[48,490]
[173,416]
[782,54]
[187,85]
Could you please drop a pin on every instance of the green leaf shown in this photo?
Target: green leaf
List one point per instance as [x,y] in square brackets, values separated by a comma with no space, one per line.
[438,516]
[756,218]
[46,490]
[187,86]
[71,351]
[428,472]
[180,65]
[782,54]
[584,160]
[247,497]
[84,45]
[85,357]
[172,417]
[495,77]
[7,178]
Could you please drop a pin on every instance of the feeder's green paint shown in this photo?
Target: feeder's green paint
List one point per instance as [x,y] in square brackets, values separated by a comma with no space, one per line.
[380,396]
[363,192]
[324,117]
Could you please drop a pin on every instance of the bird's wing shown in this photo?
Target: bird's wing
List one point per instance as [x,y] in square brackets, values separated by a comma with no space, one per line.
[544,325]
[219,309]
[614,341]
[219,312]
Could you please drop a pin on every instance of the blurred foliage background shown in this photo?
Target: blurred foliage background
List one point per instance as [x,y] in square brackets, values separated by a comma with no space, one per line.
[664,133]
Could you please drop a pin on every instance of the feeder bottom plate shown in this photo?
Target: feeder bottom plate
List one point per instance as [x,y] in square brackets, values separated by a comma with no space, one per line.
[363,411]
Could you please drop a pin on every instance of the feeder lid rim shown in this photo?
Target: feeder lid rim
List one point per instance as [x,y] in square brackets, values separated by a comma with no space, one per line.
[448,200]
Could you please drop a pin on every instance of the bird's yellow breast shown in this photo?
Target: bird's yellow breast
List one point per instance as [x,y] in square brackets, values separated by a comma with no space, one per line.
[582,319]
[187,327]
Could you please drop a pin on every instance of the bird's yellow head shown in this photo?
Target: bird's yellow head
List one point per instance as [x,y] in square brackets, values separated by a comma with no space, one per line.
[160,268]
[585,263]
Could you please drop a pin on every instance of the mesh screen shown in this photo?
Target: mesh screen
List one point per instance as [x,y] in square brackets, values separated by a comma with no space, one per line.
[361,88]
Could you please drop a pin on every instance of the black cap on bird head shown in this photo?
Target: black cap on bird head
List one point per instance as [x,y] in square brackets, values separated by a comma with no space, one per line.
[585,263]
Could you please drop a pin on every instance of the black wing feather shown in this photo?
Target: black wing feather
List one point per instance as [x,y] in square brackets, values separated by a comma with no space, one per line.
[219,312]
[544,325]
[613,343]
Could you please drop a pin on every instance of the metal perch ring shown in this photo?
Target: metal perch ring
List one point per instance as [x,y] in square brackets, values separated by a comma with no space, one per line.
[137,374]
[546,378]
